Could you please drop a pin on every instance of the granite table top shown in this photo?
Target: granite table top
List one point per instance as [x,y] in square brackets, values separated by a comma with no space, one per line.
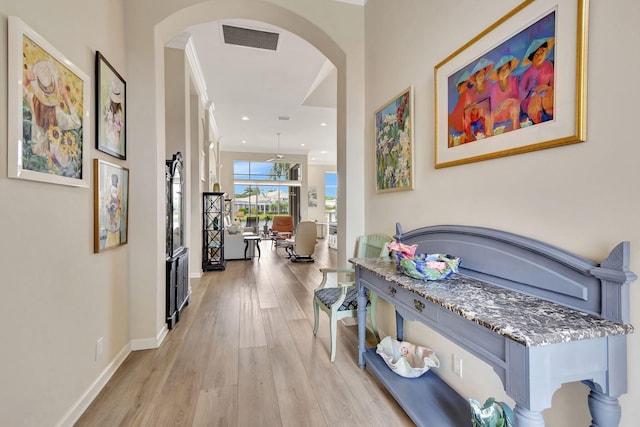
[528,320]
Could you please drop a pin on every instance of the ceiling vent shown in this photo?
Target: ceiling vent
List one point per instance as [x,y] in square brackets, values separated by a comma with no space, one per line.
[250,38]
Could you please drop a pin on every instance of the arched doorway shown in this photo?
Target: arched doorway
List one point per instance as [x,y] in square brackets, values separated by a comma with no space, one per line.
[156,22]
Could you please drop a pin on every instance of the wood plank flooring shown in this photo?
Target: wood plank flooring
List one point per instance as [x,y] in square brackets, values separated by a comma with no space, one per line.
[244,354]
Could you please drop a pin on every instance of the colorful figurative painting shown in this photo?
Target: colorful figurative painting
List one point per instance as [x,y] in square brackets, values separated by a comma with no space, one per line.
[394,144]
[508,88]
[52,114]
[48,111]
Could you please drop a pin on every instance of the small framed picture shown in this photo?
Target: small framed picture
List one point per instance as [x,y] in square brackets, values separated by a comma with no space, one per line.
[110,205]
[111,135]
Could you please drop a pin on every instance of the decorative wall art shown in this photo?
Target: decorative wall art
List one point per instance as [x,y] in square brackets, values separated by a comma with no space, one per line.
[111,135]
[110,205]
[313,197]
[48,111]
[518,86]
[394,144]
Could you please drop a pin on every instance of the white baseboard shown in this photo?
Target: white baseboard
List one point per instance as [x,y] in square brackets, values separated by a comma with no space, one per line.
[195,275]
[81,405]
[150,343]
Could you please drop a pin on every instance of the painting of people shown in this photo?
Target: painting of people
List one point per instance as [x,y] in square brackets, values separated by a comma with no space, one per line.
[111,200]
[110,105]
[508,88]
[52,114]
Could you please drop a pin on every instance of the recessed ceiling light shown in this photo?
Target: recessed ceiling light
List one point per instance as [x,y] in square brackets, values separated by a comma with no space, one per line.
[302,145]
[245,118]
[323,152]
[313,158]
[323,124]
[244,142]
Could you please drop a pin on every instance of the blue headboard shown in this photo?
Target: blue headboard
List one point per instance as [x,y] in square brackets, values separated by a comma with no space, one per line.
[533,267]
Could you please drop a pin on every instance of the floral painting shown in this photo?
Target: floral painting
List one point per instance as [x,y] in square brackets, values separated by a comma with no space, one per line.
[394,144]
[47,127]
[111,200]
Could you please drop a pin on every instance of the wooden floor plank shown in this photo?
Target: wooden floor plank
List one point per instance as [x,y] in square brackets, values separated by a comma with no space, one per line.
[257,394]
[217,407]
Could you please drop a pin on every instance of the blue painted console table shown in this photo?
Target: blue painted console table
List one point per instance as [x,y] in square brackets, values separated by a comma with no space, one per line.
[539,315]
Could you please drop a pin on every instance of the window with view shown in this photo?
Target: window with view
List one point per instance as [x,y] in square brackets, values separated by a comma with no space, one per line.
[330,196]
[261,188]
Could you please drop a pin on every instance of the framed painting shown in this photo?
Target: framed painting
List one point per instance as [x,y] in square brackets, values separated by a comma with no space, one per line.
[518,86]
[110,205]
[48,111]
[394,143]
[111,135]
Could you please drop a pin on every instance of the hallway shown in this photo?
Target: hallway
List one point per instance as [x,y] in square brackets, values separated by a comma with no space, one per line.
[243,354]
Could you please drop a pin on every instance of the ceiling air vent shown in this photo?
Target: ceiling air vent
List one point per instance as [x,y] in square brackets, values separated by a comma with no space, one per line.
[250,38]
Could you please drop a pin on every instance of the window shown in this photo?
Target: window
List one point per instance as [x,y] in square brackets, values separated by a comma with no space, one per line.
[330,196]
[262,188]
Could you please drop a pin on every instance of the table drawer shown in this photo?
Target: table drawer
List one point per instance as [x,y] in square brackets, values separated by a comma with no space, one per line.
[406,302]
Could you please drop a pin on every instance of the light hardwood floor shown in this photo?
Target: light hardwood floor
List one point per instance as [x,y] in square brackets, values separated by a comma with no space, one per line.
[244,354]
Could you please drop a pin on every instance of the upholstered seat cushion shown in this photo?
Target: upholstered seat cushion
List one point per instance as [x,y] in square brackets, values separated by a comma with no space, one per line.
[329,296]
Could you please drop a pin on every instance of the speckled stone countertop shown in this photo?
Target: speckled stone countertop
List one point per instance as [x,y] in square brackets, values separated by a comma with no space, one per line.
[525,319]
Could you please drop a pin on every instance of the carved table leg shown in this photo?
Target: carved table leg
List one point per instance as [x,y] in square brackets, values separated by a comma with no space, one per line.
[526,418]
[362,324]
[605,410]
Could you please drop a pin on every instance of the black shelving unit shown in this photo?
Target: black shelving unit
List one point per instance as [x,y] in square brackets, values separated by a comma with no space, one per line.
[213,231]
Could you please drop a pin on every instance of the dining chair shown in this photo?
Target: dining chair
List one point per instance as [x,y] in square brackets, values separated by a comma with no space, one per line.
[340,301]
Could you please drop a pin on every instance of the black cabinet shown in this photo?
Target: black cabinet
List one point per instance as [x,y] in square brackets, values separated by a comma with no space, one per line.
[177,286]
[177,261]
[213,231]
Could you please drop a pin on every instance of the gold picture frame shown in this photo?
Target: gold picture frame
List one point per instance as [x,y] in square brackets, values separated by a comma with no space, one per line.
[541,100]
[394,143]
[110,205]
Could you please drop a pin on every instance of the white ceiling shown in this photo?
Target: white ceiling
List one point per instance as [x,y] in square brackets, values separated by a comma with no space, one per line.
[295,81]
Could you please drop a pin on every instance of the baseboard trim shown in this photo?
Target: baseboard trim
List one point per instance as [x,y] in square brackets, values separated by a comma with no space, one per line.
[81,405]
[196,275]
[150,343]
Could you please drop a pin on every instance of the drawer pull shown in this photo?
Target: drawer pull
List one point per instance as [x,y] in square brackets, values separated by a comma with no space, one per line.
[419,305]
[391,291]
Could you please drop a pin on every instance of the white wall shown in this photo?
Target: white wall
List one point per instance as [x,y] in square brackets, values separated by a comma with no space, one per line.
[317,180]
[59,297]
[582,197]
